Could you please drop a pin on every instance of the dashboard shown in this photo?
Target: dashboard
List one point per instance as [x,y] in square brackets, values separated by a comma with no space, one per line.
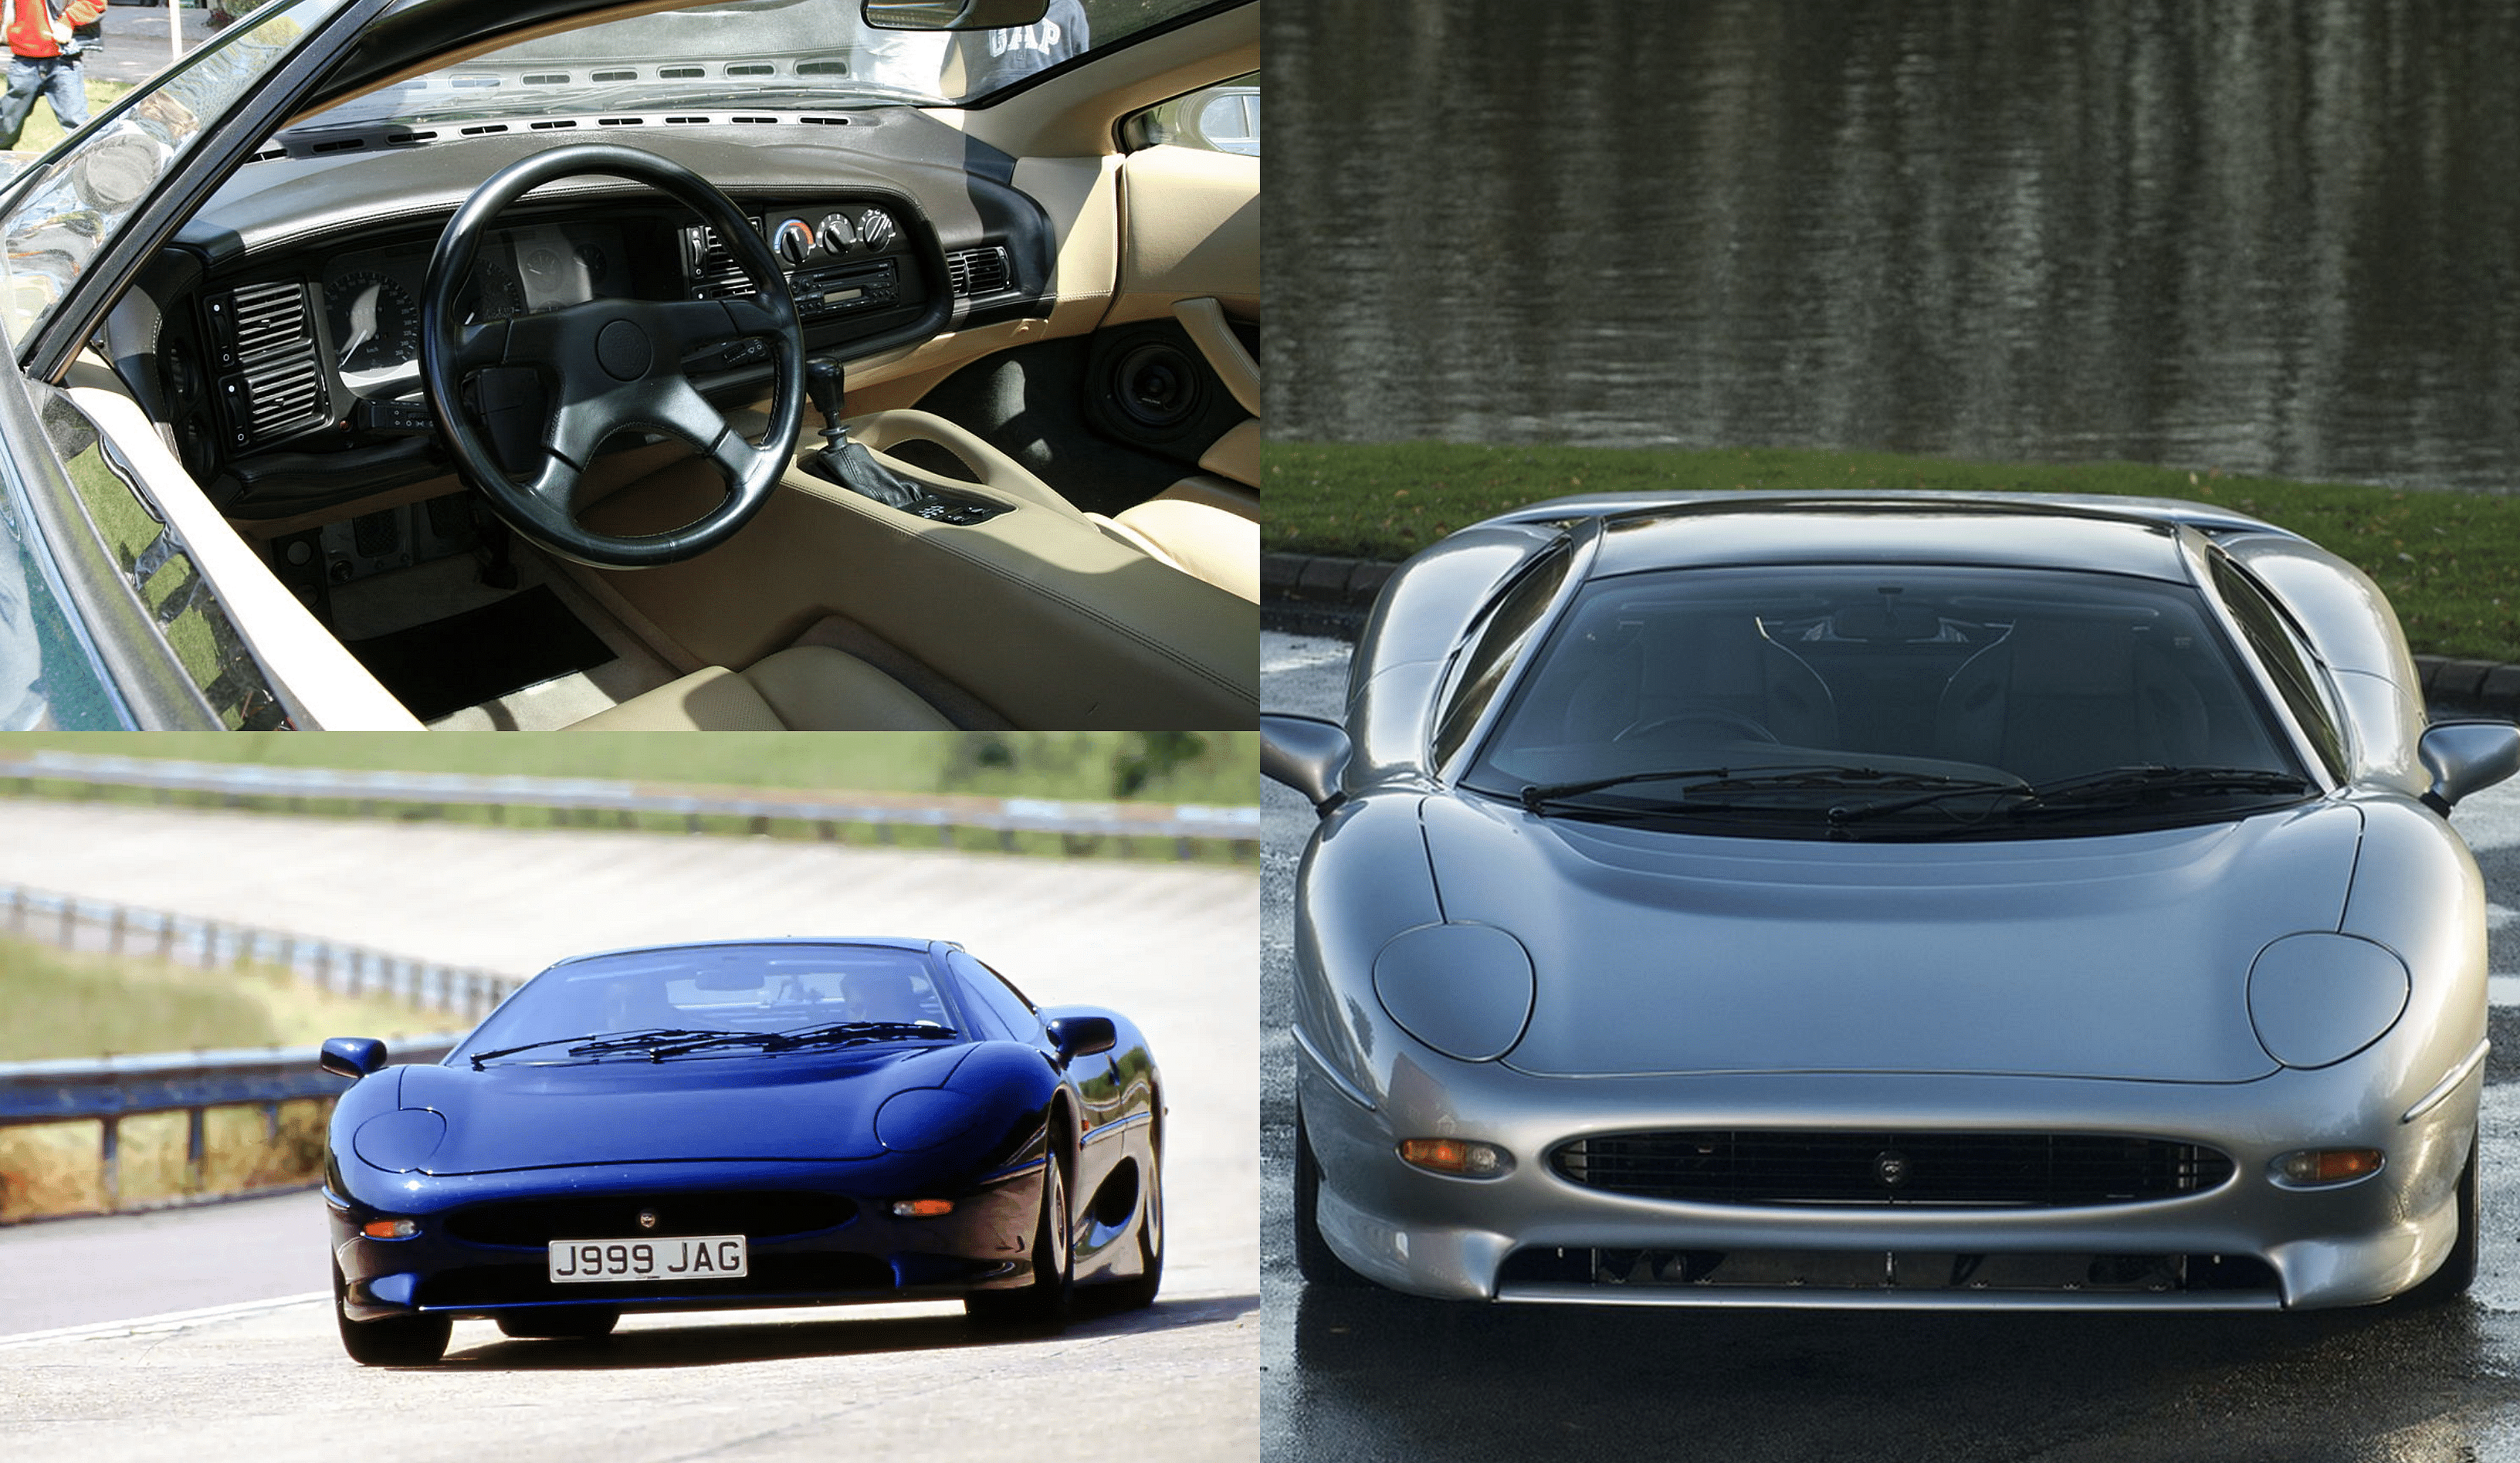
[279,342]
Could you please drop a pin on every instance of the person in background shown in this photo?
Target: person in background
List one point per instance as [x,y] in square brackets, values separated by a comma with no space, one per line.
[992,59]
[44,61]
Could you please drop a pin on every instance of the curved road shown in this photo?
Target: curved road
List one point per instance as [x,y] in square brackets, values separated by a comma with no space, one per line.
[1373,1375]
[195,1333]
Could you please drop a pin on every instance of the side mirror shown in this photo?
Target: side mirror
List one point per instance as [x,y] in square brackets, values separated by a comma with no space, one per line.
[2467,757]
[952,15]
[1082,1035]
[352,1057]
[1306,754]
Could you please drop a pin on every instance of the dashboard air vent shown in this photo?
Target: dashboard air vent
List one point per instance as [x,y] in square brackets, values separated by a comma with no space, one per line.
[274,398]
[714,274]
[260,319]
[262,336]
[980,271]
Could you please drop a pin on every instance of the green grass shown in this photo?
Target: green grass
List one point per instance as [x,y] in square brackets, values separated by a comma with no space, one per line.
[43,130]
[2449,561]
[64,1004]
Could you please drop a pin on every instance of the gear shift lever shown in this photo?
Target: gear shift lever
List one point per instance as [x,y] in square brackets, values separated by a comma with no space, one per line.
[844,462]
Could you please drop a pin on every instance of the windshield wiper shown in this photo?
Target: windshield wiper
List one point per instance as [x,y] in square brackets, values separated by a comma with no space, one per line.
[1537,797]
[595,1042]
[835,1034]
[2116,781]
[1776,776]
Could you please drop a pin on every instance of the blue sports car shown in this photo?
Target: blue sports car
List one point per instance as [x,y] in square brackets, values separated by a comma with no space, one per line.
[744,1124]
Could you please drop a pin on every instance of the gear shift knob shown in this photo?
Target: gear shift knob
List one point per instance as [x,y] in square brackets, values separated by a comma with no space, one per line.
[827,383]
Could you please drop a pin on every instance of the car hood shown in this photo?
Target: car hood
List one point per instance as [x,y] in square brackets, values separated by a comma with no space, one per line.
[792,1107]
[2122,956]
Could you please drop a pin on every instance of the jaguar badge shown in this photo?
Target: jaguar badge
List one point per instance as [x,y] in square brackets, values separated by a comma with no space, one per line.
[1890,1167]
[646,1219]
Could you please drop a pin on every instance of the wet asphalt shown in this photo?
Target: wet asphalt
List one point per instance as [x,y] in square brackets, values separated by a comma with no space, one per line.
[1373,1375]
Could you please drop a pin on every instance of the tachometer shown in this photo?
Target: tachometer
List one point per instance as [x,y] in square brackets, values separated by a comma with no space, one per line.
[375,325]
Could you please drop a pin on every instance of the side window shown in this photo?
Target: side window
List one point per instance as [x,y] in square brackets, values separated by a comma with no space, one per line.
[1003,1006]
[2272,640]
[1220,118]
[1500,641]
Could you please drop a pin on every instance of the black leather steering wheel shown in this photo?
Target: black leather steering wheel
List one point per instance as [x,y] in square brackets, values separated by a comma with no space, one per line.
[1708,712]
[610,364]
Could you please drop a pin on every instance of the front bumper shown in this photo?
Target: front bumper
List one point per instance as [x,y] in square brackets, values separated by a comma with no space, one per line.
[867,1256]
[1534,1235]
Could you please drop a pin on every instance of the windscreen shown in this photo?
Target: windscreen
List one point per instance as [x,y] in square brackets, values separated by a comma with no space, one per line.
[1815,696]
[740,989]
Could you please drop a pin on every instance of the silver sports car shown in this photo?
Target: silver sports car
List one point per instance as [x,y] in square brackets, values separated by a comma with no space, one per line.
[1894,901]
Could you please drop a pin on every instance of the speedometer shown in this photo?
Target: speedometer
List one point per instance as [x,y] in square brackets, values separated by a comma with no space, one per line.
[375,325]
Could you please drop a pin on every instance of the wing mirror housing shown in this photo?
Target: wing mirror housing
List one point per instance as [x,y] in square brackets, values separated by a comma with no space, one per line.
[952,15]
[2465,758]
[1306,753]
[352,1057]
[1082,1035]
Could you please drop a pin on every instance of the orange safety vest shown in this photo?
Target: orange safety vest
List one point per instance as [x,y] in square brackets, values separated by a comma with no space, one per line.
[30,24]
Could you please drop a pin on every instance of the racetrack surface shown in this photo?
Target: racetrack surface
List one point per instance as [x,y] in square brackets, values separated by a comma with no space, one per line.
[1175,948]
[1369,1374]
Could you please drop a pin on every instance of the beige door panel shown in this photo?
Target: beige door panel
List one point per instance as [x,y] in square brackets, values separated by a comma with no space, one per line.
[338,694]
[1189,228]
[1037,613]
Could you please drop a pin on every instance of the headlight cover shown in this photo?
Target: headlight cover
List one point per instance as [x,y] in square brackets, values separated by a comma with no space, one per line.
[1465,989]
[925,1117]
[2318,998]
[400,1141]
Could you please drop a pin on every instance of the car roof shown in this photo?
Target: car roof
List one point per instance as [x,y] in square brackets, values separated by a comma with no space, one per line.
[880,942]
[2137,536]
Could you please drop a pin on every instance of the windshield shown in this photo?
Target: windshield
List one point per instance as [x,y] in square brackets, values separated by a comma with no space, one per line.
[679,995]
[1872,700]
[771,55]
[78,196]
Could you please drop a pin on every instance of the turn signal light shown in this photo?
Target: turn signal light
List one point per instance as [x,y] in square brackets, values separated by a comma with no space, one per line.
[390,1229]
[922,1208]
[2318,1168]
[1458,1157]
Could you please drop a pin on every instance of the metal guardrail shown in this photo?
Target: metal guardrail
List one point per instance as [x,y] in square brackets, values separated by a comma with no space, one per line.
[113,1089]
[1181,823]
[103,926]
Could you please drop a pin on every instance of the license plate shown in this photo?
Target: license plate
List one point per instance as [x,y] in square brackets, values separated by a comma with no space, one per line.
[700,1256]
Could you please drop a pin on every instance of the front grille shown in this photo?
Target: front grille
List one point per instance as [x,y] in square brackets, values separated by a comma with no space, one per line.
[801,1275]
[1881,1275]
[758,1216]
[2023,1169]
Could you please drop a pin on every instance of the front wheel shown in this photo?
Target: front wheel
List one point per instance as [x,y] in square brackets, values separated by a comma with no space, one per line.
[2458,1271]
[1140,1291]
[1047,1301]
[396,1341]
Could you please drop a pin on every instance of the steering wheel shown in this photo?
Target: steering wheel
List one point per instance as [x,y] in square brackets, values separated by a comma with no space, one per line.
[610,364]
[1750,726]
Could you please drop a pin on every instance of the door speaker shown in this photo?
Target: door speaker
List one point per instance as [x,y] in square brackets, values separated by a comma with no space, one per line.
[1156,385]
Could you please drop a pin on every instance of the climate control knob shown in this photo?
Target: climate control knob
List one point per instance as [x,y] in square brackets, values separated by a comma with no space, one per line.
[838,233]
[876,228]
[794,241]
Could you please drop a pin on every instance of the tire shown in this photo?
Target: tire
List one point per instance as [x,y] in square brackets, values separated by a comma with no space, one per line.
[1139,1292]
[1314,1259]
[573,1323]
[2458,1271]
[1051,1294]
[396,1341]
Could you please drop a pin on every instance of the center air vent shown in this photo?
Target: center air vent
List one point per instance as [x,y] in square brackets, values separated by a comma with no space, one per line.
[980,271]
[711,267]
[262,336]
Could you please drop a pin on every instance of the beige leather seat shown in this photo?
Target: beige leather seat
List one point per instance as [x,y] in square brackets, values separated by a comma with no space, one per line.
[1203,526]
[802,688]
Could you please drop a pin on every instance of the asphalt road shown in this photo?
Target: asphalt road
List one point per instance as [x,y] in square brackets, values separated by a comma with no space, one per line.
[158,1336]
[1373,1375]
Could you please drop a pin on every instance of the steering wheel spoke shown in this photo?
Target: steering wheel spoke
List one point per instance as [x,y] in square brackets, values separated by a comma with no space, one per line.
[614,365]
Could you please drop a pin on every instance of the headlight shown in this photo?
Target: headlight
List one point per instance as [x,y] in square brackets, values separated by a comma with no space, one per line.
[2317,999]
[924,1117]
[399,1141]
[1465,989]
